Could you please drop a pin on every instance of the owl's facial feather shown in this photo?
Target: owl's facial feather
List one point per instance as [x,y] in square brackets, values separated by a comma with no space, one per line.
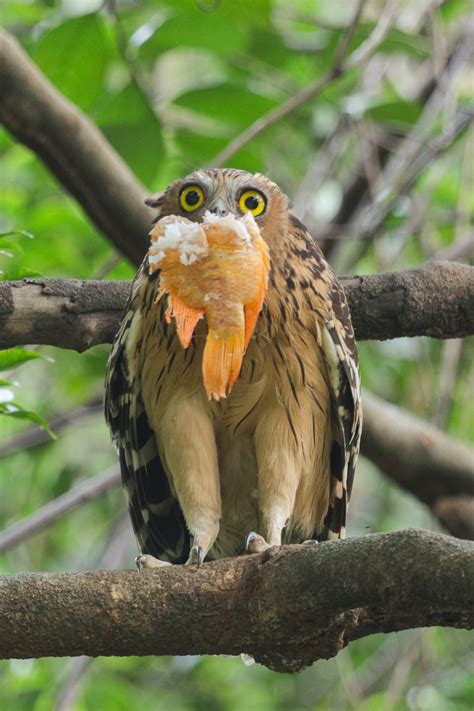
[223,190]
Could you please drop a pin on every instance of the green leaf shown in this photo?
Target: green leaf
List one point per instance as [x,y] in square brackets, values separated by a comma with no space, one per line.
[134,130]
[199,150]
[452,9]
[15,272]
[233,104]
[13,357]
[21,414]
[395,113]
[195,28]
[74,57]
[396,41]
[17,233]
[9,248]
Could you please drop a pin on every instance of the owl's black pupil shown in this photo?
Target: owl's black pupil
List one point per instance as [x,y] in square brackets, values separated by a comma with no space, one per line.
[252,202]
[192,198]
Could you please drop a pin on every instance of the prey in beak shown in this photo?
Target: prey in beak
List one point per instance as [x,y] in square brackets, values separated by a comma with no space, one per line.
[218,270]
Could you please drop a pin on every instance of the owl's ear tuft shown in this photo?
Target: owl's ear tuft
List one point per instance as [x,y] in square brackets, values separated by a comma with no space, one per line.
[155,201]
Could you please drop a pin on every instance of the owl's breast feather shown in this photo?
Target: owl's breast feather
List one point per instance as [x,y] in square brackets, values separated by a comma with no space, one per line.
[217,269]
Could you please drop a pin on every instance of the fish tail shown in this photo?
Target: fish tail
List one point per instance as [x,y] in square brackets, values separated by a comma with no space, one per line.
[222,362]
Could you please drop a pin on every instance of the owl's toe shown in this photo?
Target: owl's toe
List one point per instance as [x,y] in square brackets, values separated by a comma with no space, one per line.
[255,543]
[147,562]
[196,556]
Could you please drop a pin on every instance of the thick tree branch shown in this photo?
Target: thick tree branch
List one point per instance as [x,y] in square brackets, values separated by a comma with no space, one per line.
[436,300]
[422,459]
[75,151]
[286,607]
[61,312]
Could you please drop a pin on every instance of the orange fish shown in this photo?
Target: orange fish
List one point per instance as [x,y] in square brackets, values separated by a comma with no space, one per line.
[218,269]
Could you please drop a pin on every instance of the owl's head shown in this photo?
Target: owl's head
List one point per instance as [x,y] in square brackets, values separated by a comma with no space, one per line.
[223,191]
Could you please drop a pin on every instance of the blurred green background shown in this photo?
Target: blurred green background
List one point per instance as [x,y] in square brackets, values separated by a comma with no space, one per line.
[170,84]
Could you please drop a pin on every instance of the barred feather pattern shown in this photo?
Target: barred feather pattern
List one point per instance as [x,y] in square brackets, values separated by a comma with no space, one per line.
[288,433]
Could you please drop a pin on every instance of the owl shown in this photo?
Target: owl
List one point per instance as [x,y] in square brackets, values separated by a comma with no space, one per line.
[271,463]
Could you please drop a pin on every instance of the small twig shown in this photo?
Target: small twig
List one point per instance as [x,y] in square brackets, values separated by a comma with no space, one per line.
[55,509]
[339,68]
[459,251]
[367,48]
[320,167]
[451,359]
[355,192]
[398,181]
[400,673]
[68,693]
[107,266]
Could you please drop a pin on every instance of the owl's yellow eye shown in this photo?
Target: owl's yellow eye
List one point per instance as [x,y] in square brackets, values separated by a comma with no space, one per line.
[191,198]
[252,201]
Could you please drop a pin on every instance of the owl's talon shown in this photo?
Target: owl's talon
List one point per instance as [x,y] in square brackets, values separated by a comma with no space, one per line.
[310,542]
[196,556]
[147,562]
[255,543]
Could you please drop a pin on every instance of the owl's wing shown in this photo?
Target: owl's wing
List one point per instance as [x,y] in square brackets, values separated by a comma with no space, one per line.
[326,299]
[157,519]
[343,368]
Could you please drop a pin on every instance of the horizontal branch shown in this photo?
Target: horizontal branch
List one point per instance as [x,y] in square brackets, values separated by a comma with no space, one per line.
[74,149]
[435,300]
[422,459]
[286,607]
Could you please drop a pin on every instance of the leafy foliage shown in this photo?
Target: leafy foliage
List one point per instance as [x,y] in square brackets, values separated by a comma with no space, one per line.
[170,84]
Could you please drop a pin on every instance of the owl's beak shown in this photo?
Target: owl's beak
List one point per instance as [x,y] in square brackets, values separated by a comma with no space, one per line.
[219,209]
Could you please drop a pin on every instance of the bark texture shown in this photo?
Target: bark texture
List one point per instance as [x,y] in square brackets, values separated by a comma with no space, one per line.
[287,607]
[75,151]
[68,313]
[435,300]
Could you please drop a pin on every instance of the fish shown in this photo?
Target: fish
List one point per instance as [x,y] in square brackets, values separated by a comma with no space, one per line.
[216,269]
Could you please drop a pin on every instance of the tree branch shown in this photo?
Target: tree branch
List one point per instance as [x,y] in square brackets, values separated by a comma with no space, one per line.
[435,300]
[286,607]
[422,459]
[74,149]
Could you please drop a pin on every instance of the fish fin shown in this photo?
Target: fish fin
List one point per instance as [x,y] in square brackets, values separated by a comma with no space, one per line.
[221,363]
[252,311]
[186,318]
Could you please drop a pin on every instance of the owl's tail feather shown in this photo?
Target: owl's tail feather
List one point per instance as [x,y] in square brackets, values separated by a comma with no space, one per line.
[222,361]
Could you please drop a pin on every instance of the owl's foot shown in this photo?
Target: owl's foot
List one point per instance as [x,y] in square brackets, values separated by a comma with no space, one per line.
[146,562]
[196,556]
[255,543]
[310,542]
